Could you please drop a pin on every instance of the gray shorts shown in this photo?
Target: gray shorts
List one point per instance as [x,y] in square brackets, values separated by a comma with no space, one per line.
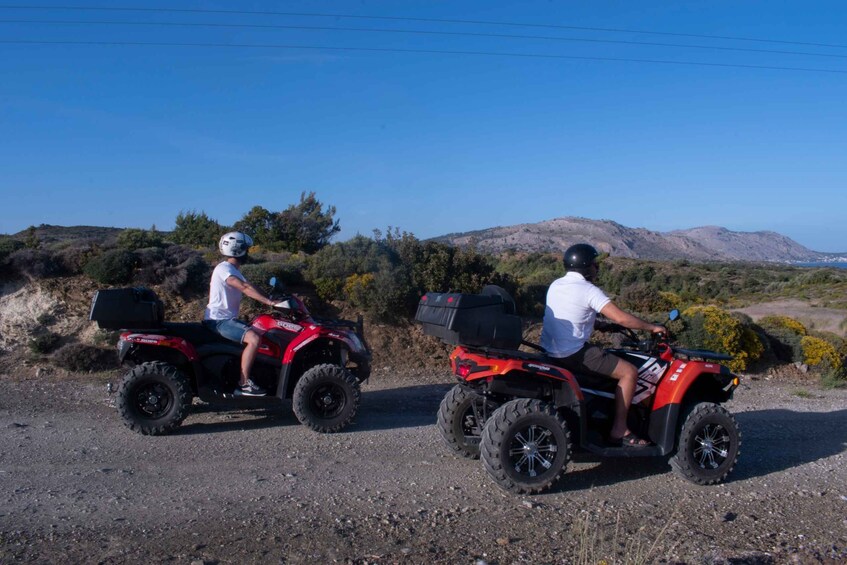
[231,329]
[589,359]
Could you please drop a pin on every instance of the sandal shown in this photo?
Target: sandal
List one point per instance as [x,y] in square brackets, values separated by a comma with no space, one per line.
[630,440]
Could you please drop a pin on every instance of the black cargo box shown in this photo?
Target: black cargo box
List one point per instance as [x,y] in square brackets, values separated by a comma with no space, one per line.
[127,308]
[476,320]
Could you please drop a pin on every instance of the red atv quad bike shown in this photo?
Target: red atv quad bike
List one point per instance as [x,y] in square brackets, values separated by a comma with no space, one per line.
[523,414]
[317,363]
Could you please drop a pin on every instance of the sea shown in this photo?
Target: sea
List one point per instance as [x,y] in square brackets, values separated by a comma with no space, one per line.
[836,265]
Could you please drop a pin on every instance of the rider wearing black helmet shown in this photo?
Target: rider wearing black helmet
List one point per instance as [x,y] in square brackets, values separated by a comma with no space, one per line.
[573,303]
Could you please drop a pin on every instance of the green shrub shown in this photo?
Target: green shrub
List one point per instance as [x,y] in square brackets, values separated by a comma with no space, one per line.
[260,273]
[84,358]
[35,263]
[641,297]
[106,338]
[133,239]
[328,288]
[74,256]
[9,245]
[831,377]
[44,342]
[197,229]
[189,277]
[46,319]
[112,267]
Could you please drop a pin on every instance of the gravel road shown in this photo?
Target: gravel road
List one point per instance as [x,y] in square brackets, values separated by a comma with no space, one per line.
[251,486]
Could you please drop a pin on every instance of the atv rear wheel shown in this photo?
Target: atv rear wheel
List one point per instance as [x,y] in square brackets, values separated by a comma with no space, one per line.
[709,444]
[154,398]
[326,398]
[525,446]
[461,417]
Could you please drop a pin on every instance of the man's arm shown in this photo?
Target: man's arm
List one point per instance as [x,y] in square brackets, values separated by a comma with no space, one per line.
[627,320]
[249,290]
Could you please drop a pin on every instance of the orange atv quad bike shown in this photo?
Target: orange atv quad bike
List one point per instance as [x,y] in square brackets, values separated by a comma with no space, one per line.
[523,415]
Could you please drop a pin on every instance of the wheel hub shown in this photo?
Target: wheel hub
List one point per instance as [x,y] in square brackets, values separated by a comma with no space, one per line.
[531,449]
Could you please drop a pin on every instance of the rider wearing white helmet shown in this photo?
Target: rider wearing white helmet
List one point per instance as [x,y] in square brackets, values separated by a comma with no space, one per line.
[225,291]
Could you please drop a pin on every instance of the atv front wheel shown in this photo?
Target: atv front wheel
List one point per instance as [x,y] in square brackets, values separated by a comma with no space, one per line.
[154,398]
[326,398]
[461,417]
[709,444]
[525,446]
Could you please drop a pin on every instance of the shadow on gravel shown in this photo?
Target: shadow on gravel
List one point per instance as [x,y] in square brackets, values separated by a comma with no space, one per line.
[388,409]
[610,471]
[236,420]
[772,441]
[394,408]
[776,440]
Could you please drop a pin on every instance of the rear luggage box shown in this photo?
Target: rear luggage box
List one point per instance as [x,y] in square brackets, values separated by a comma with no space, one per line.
[475,320]
[127,308]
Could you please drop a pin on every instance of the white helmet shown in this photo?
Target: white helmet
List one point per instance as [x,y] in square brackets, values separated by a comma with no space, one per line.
[235,244]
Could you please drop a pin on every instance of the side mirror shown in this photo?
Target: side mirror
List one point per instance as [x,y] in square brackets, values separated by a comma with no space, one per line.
[272,282]
[673,315]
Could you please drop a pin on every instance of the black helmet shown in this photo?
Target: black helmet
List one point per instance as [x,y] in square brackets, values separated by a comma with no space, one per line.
[580,256]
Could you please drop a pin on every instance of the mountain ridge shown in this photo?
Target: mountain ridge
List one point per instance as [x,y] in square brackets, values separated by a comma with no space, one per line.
[704,243]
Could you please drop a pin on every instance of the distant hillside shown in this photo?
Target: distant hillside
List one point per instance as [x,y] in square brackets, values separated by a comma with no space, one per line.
[709,243]
[697,244]
[48,234]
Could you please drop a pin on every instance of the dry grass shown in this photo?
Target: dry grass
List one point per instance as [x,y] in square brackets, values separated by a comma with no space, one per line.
[813,317]
[597,545]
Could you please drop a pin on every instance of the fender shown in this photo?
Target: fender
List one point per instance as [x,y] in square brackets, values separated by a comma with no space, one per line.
[177,343]
[505,374]
[668,402]
[682,375]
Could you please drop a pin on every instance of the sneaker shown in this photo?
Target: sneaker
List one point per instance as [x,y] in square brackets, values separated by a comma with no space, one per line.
[250,389]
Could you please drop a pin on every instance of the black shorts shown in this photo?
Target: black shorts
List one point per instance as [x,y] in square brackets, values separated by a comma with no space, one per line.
[589,359]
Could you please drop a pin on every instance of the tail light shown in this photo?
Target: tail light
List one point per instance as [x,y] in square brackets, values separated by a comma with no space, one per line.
[463,370]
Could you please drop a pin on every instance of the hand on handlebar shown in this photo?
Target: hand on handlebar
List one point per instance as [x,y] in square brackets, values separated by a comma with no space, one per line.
[659,329]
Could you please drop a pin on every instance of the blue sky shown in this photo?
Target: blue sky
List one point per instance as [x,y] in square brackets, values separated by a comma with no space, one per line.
[432,143]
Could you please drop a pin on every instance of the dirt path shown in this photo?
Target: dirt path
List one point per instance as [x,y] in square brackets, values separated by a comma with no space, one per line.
[255,486]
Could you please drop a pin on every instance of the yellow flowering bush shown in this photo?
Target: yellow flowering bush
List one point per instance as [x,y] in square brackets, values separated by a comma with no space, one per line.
[784,335]
[817,351]
[714,328]
[783,322]
[671,298]
[357,288]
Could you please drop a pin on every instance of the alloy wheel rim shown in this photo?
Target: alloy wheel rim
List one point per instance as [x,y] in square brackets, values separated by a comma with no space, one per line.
[711,446]
[533,450]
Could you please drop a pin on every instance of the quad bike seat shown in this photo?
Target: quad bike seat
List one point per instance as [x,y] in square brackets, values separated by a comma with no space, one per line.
[194,333]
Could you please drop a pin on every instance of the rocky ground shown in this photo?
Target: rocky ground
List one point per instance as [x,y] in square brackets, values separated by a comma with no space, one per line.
[249,486]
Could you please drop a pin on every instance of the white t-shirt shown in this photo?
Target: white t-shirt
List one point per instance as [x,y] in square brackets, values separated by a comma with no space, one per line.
[572,306]
[224,300]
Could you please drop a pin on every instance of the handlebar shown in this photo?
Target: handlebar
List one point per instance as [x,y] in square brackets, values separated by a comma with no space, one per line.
[644,345]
